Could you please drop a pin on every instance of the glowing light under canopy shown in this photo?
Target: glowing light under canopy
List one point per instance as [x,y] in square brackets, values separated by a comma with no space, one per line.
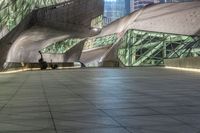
[184,69]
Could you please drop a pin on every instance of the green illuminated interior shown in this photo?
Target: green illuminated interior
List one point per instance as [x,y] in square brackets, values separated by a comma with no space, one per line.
[137,48]
[140,48]
[13,11]
[61,47]
[100,42]
[97,22]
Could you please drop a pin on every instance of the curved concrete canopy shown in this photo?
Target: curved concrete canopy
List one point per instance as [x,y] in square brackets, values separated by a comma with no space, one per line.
[72,55]
[175,18]
[47,25]
[93,56]
[27,45]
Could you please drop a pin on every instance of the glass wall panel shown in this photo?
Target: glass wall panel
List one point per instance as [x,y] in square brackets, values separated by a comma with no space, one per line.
[61,47]
[13,11]
[100,42]
[114,9]
[151,48]
[97,22]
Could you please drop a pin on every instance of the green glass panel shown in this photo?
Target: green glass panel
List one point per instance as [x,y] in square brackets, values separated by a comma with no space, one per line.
[61,47]
[100,42]
[151,48]
[13,11]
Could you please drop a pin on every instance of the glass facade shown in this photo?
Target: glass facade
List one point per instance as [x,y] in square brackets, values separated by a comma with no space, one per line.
[168,1]
[61,47]
[137,4]
[100,42]
[97,22]
[13,11]
[141,3]
[141,48]
[114,9]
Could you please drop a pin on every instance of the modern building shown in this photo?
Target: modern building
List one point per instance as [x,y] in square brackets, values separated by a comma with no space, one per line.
[51,24]
[128,99]
[137,4]
[114,9]
[55,44]
[149,36]
[169,1]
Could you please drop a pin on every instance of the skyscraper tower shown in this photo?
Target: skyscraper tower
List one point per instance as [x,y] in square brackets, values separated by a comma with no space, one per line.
[141,3]
[114,9]
[169,1]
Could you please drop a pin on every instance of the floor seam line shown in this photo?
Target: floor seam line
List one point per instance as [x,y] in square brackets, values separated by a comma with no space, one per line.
[168,115]
[47,101]
[13,95]
[95,106]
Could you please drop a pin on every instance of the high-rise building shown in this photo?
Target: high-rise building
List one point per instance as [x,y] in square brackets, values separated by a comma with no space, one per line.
[114,9]
[132,7]
[137,4]
[169,1]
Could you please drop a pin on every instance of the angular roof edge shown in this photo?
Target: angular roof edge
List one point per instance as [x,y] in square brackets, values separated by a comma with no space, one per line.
[174,18]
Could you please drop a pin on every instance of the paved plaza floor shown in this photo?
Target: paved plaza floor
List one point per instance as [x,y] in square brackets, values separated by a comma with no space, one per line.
[135,100]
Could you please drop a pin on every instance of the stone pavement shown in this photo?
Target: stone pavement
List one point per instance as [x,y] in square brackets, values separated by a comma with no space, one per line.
[136,100]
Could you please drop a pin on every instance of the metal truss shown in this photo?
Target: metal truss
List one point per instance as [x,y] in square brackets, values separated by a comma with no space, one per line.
[13,11]
[140,48]
[61,47]
[100,41]
[97,22]
[64,46]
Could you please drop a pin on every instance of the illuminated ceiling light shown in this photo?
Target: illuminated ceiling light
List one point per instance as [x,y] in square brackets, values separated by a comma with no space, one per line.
[95,29]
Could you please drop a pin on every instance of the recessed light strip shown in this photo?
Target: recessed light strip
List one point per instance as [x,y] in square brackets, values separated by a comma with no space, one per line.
[184,69]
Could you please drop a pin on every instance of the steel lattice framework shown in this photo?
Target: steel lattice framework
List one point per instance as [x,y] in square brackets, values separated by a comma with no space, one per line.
[151,48]
[145,37]
[43,23]
[139,48]
[13,11]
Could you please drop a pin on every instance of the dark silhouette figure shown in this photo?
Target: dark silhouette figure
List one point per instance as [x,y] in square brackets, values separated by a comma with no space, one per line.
[82,65]
[43,64]
[53,66]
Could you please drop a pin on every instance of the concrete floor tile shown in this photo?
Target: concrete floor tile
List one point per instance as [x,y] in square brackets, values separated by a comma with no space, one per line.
[146,121]
[98,130]
[137,100]
[192,120]
[178,110]
[167,129]
[130,112]
[82,122]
